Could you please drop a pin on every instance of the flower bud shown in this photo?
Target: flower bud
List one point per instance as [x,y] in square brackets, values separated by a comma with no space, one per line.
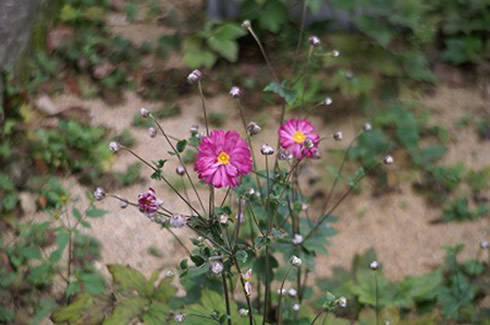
[180,170]
[296,307]
[304,206]
[99,193]
[248,274]
[328,101]
[144,112]
[223,219]
[169,274]
[114,146]
[235,92]
[314,41]
[177,221]
[308,143]
[316,155]
[342,301]
[123,204]
[335,53]
[267,150]
[248,288]
[284,154]
[296,261]
[292,292]
[194,76]
[246,24]
[253,128]
[152,132]
[251,191]
[367,127]
[194,129]
[338,136]
[297,239]
[374,265]
[388,160]
[281,292]
[484,244]
[243,312]
[179,318]
[217,267]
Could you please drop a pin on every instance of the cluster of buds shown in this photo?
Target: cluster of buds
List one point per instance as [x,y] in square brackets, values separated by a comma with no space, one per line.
[194,76]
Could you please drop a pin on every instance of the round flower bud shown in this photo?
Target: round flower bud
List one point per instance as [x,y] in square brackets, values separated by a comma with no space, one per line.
[388,160]
[374,265]
[253,128]
[304,206]
[243,312]
[484,244]
[338,136]
[194,76]
[177,221]
[314,41]
[367,127]
[335,53]
[123,204]
[114,146]
[266,150]
[223,219]
[284,154]
[235,92]
[281,292]
[328,101]
[217,267]
[297,239]
[194,129]
[296,307]
[308,143]
[144,112]
[99,193]
[180,170]
[152,132]
[292,292]
[179,318]
[251,191]
[296,261]
[246,24]
[342,301]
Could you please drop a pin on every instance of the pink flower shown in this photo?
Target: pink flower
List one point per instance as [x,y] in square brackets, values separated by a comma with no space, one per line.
[149,203]
[292,136]
[222,157]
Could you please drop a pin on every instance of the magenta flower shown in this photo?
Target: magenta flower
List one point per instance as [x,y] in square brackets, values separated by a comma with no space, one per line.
[292,136]
[149,203]
[222,157]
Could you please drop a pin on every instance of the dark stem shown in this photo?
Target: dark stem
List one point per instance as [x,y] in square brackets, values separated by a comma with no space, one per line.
[318,316]
[264,54]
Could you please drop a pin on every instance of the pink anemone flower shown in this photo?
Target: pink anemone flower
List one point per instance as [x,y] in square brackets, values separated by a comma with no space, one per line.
[149,203]
[292,136]
[222,157]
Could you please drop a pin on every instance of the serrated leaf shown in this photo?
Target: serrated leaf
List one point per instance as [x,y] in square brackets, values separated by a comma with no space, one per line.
[282,91]
[84,310]
[126,311]
[127,277]
[165,290]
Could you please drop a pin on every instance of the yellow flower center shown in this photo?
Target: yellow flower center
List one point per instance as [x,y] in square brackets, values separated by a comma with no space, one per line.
[299,137]
[224,158]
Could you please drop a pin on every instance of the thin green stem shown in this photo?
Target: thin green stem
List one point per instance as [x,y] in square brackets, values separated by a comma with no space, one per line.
[278,311]
[267,253]
[377,297]
[203,101]
[301,32]
[181,243]
[264,54]
[318,316]
[227,298]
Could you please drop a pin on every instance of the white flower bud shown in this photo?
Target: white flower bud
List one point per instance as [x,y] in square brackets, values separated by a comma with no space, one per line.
[177,221]
[367,127]
[194,128]
[292,292]
[243,312]
[253,128]
[152,132]
[304,206]
[388,160]
[194,76]
[308,143]
[342,301]
[248,288]
[284,154]
[235,92]
[314,41]
[296,261]
[123,204]
[223,219]
[251,191]
[296,307]
[267,150]
[246,24]
[484,244]
[328,101]
[297,239]
[217,267]
[179,318]
[374,265]
[335,53]
[99,193]
[114,146]
[281,292]
[144,112]
[180,170]
[338,136]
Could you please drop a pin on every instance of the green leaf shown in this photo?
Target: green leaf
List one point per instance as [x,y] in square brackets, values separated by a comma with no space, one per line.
[273,15]
[84,310]
[93,283]
[94,212]
[156,314]
[195,56]
[282,90]
[30,252]
[181,145]
[224,47]
[242,256]
[62,239]
[126,311]
[165,290]
[127,277]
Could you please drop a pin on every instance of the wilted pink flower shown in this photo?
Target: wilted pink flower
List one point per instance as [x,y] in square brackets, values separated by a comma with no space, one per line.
[222,157]
[292,136]
[149,203]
